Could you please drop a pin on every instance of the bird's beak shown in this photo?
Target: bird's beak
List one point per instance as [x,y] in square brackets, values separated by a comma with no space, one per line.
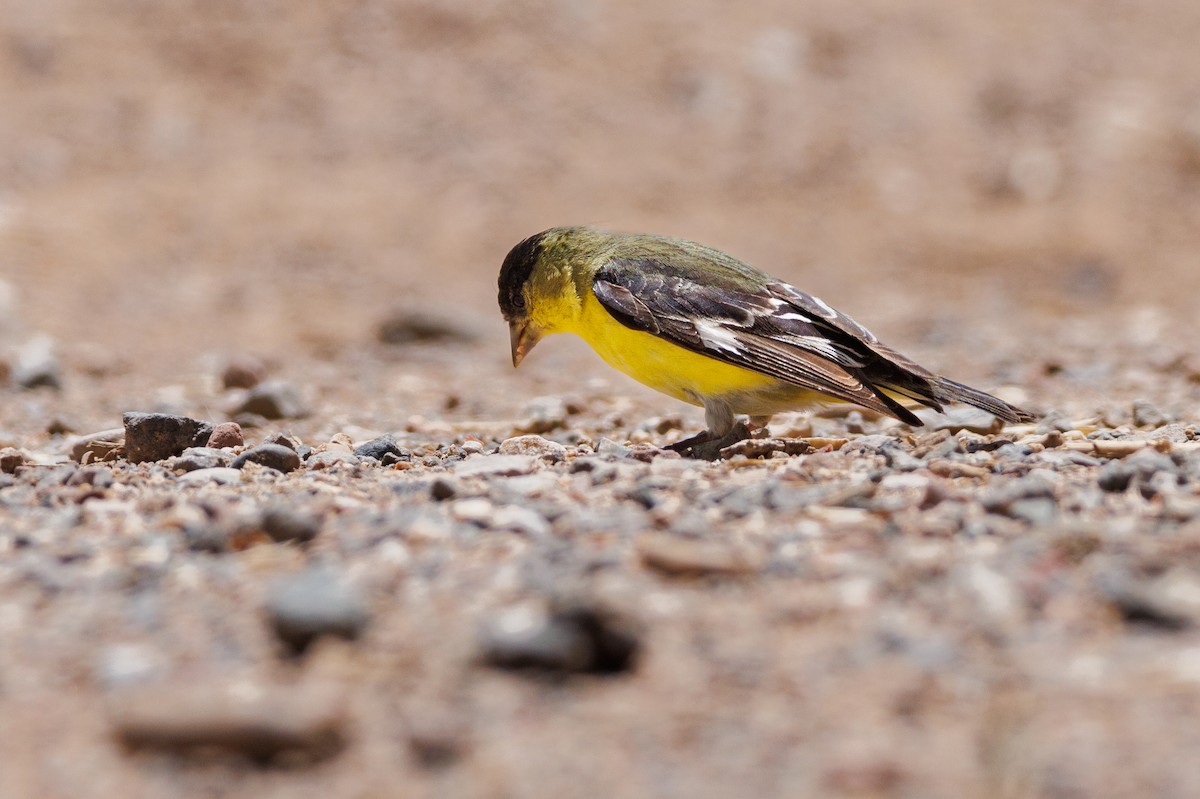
[523,336]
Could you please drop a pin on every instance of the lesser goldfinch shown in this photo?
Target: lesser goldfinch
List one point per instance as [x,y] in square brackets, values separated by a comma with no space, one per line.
[703,327]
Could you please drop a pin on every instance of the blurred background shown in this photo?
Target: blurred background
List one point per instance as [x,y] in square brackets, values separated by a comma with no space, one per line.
[276,175]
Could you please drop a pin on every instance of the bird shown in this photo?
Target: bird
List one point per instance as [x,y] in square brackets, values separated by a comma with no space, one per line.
[705,328]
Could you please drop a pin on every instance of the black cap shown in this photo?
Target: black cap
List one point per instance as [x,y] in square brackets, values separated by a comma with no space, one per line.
[518,266]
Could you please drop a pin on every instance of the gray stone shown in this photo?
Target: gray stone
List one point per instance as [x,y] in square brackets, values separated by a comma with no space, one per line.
[383,449]
[1034,510]
[570,639]
[256,720]
[273,399]
[1167,603]
[194,458]
[36,366]
[1147,461]
[1001,498]
[1115,476]
[95,476]
[286,524]
[273,456]
[207,536]
[1145,414]
[315,603]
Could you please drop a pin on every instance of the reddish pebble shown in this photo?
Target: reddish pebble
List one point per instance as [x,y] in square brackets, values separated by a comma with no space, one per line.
[226,434]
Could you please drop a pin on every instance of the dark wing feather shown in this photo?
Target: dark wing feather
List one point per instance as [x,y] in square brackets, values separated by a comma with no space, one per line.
[773,329]
[729,313]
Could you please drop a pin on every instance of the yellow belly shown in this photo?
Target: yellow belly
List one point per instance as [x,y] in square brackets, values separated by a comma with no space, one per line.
[681,373]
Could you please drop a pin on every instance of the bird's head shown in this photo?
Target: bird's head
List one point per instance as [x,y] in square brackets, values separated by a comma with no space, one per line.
[515,282]
[538,286]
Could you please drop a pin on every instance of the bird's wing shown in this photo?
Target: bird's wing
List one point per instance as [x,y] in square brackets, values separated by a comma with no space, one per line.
[767,327]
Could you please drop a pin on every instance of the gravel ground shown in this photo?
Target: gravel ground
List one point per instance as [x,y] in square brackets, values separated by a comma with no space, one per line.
[551,605]
[278,519]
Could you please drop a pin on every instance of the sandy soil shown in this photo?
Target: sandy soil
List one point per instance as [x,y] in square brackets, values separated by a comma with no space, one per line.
[1008,194]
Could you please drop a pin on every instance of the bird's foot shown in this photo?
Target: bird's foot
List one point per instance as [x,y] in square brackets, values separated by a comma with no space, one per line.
[706,448]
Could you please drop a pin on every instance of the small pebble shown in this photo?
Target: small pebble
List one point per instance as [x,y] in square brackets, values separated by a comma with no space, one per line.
[314,603]
[543,415]
[273,456]
[1168,604]
[681,556]
[535,446]
[476,510]
[207,535]
[579,639]
[1115,476]
[442,489]
[521,520]
[226,434]
[194,458]
[94,476]
[1145,414]
[10,459]
[283,439]
[273,399]
[221,475]
[495,465]
[284,524]
[1034,510]
[383,449]
[125,665]
[36,366]
[239,716]
[330,458]
[612,448]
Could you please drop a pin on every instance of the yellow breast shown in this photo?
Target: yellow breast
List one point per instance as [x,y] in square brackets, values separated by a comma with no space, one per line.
[657,363]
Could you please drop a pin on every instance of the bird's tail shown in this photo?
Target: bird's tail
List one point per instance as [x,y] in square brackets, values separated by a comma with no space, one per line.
[951,391]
